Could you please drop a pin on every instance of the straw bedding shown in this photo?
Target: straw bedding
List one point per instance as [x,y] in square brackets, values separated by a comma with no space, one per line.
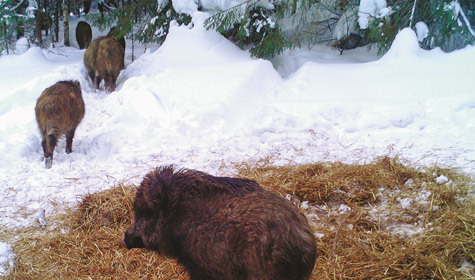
[383,220]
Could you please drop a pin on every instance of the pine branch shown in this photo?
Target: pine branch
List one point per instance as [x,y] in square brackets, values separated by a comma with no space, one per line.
[412,13]
[18,5]
[224,19]
[467,23]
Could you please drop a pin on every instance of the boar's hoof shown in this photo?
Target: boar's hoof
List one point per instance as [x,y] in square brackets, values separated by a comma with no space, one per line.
[49,162]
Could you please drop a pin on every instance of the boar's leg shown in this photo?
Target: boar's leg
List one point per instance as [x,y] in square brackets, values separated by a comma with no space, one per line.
[45,148]
[48,158]
[109,82]
[49,162]
[97,81]
[69,140]
[48,152]
[91,75]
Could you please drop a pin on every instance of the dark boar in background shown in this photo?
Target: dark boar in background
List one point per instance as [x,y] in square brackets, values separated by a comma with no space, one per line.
[351,41]
[59,110]
[43,22]
[221,228]
[83,34]
[104,59]
[87,6]
[114,32]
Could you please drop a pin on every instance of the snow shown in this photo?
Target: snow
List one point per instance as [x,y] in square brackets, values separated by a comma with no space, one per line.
[21,45]
[405,202]
[441,180]
[466,266]
[422,31]
[191,6]
[319,235]
[407,45]
[6,258]
[346,25]
[200,102]
[162,4]
[185,6]
[219,5]
[369,9]
[343,209]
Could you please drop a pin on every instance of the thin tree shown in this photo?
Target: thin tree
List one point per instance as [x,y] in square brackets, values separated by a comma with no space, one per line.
[66,22]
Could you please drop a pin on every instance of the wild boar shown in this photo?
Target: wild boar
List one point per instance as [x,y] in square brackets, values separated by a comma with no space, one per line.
[59,110]
[104,59]
[114,32]
[221,228]
[351,41]
[83,34]
[87,6]
[43,22]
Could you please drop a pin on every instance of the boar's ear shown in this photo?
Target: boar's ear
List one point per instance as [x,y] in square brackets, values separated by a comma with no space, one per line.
[189,184]
[154,190]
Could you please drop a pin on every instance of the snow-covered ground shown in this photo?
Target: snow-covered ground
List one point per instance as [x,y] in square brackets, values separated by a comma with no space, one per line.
[200,102]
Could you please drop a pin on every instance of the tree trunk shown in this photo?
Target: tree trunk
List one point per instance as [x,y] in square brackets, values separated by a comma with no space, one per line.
[4,27]
[57,15]
[66,23]
[133,47]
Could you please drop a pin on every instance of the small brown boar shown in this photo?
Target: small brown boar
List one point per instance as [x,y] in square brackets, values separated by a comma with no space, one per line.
[83,34]
[59,110]
[221,228]
[349,42]
[104,59]
[114,32]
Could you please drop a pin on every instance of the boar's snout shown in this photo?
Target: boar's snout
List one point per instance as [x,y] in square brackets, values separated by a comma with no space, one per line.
[132,241]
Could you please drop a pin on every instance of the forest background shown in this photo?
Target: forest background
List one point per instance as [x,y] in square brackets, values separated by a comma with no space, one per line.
[265,27]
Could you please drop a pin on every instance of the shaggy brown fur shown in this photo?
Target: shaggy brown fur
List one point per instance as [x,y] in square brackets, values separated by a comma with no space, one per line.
[104,59]
[83,34]
[221,228]
[59,110]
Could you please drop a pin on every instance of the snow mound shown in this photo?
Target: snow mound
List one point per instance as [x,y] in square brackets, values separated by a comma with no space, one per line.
[187,47]
[406,43]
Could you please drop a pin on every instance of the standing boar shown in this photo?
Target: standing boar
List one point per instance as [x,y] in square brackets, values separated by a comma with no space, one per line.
[83,34]
[221,228]
[58,111]
[87,6]
[104,58]
[43,22]
[114,32]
